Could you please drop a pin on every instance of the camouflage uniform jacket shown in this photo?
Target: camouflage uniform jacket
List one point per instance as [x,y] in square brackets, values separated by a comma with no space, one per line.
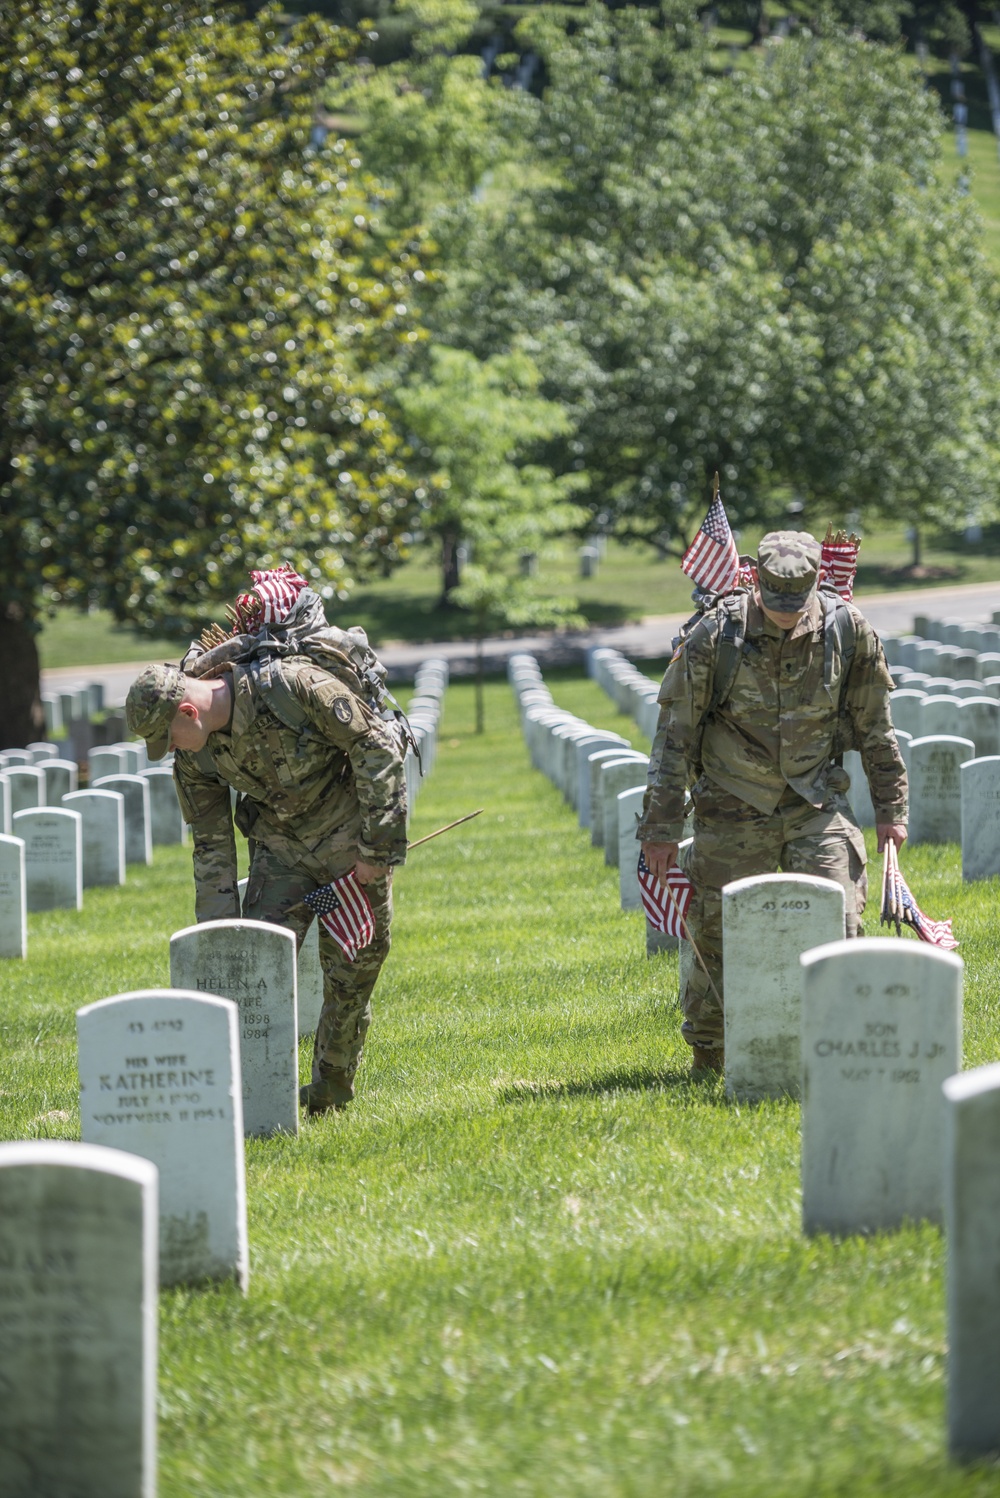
[777,727]
[319,797]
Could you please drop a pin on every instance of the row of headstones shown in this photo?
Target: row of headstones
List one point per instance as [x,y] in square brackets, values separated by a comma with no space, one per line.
[80,704]
[171,1081]
[50,853]
[424,716]
[634,693]
[868,1034]
[598,774]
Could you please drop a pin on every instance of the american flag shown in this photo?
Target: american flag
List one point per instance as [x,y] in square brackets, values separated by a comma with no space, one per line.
[277,591]
[712,559]
[902,909]
[838,566]
[662,913]
[345,911]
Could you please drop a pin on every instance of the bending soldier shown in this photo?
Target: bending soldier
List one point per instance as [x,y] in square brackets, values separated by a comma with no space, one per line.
[316,800]
[756,708]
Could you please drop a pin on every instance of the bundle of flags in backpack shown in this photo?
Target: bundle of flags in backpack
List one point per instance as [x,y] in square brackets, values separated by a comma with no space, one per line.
[270,599]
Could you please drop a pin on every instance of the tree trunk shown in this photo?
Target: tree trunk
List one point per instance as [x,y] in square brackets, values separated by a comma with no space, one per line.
[480,709]
[450,571]
[916,545]
[22,721]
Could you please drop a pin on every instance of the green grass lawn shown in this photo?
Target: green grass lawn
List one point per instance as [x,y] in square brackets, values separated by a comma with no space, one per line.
[533,1257]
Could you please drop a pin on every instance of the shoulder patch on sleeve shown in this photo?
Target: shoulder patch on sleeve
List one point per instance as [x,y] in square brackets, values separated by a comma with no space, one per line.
[342,710]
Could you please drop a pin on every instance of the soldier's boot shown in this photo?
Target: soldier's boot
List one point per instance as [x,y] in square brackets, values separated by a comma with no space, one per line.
[335,1091]
[705,1060]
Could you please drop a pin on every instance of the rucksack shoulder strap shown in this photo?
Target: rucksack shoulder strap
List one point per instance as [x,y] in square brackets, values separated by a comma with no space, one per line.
[840,638]
[732,615]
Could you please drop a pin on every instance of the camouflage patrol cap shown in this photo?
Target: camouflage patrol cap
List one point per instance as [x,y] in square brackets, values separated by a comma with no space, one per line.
[151,704]
[787,570]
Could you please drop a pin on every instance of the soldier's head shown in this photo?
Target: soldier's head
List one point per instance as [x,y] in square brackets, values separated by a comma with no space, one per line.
[169,710]
[788,564]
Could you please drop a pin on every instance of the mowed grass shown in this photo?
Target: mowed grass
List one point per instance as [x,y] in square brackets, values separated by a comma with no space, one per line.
[533,1257]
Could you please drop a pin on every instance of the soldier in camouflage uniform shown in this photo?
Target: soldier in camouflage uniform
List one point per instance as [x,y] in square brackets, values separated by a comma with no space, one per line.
[762,766]
[314,803]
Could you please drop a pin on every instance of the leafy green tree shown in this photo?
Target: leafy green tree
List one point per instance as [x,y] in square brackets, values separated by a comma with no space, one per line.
[200,318]
[472,425]
[762,273]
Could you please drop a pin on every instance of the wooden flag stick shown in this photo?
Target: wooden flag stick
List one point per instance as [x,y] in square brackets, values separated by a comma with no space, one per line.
[883,912]
[467,818]
[687,937]
[715,485]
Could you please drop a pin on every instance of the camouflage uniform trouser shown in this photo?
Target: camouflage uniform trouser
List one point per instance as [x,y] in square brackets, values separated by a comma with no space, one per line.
[272,890]
[732,840]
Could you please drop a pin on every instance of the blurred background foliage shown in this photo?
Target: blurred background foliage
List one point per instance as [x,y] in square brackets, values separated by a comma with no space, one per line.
[447,279]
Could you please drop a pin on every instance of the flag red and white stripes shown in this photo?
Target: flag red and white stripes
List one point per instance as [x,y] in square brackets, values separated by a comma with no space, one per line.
[839,565]
[899,908]
[277,590]
[712,560]
[663,913]
[345,911]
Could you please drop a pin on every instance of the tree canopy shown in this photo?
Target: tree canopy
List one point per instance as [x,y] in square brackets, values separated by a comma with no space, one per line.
[763,273]
[199,317]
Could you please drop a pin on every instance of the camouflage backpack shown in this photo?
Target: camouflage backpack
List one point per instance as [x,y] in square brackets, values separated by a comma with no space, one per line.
[302,630]
[839,643]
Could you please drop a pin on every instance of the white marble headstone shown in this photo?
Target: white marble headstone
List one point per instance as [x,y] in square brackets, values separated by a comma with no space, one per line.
[61,777]
[616,776]
[767,923]
[981,817]
[102,830]
[78,1287]
[597,762]
[881,1030]
[309,974]
[159,1077]
[978,719]
[5,811]
[253,963]
[52,857]
[859,795]
[13,899]
[935,788]
[27,787]
[584,748]
[106,761]
[629,807]
[972,1235]
[134,790]
[166,822]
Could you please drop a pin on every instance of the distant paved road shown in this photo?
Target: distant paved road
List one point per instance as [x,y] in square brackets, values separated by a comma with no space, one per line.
[646,640]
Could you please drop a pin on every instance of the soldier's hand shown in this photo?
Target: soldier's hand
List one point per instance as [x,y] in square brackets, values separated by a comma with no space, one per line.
[366,872]
[659,858]
[896,831]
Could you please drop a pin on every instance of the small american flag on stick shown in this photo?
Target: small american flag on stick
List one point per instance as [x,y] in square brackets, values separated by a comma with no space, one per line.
[712,560]
[663,913]
[899,908]
[345,911]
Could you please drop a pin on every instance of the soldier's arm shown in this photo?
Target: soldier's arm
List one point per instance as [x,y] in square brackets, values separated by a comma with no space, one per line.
[376,756]
[206,804]
[867,703]
[684,696]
